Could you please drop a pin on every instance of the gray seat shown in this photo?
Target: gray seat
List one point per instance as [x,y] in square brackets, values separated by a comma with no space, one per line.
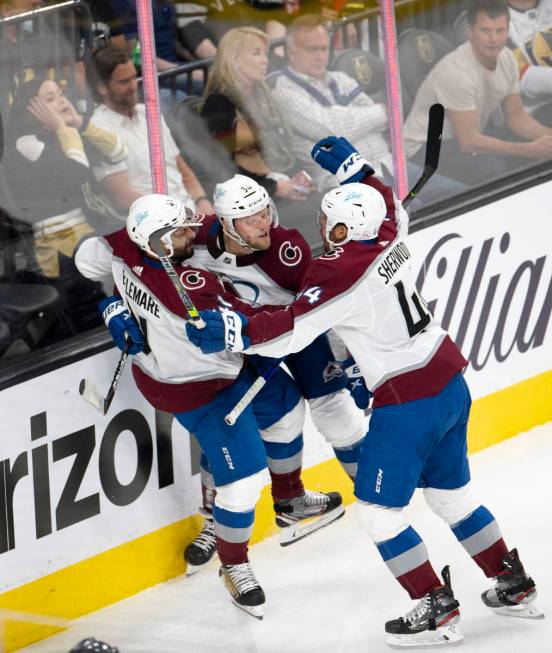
[367,69]
[460,29]
[419,51]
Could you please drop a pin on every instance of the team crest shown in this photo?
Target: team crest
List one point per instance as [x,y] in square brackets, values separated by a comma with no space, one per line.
[333,371]
[289,254]
[192,280]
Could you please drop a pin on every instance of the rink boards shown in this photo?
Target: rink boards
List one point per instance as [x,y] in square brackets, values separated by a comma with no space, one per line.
[94,509]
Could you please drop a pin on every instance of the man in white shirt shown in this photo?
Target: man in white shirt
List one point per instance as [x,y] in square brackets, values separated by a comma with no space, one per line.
[119,112]
[531,43]
[472,82]
[316,101]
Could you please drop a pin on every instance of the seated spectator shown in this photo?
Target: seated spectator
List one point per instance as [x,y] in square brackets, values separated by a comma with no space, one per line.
[471,82]
[317,102]
[240,112]
[531,41]
[115,86]
[169,51]
[48,173]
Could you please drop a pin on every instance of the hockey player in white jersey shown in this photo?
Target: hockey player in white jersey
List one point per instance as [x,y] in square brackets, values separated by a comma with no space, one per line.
[175,377]
[363,287]
[265,263]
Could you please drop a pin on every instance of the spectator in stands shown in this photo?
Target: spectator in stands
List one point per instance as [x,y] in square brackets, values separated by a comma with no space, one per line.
[472,82]
[115,85]
[17,54]
[317,101]
[240,112]
[47,168]
[531,41]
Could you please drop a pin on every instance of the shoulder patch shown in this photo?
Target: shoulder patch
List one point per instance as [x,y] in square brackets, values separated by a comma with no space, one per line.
[290,255]
[192,280]
[333,254]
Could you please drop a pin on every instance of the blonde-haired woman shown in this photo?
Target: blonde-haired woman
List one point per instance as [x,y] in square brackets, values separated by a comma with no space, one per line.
[240,112]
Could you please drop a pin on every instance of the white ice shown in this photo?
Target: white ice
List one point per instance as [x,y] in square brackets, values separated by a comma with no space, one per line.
[331,593]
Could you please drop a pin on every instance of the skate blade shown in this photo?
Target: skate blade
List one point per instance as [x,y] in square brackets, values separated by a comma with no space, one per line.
[295,532]
[522,611]
[256,611]
[443,636]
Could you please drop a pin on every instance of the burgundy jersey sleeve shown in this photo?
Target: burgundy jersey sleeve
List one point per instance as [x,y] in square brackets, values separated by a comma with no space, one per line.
[389,228]
[288,259]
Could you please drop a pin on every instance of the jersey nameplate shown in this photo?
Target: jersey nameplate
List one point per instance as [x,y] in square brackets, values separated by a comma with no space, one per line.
[393,262]
[140,296]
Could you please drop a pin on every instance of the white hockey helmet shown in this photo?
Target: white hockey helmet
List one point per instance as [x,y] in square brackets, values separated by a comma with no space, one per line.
[359,207]
[240,197]
[153,212]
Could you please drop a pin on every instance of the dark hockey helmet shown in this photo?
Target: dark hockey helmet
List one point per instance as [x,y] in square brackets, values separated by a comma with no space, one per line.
[92,645]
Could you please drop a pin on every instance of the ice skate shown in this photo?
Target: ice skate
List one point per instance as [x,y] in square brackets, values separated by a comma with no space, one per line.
[432,622]
[202,549]
[301,516]
[244,588]
[514,592]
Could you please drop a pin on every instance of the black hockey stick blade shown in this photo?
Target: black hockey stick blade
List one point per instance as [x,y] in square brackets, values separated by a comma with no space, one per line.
[434,135]
[433,149]
[91,394]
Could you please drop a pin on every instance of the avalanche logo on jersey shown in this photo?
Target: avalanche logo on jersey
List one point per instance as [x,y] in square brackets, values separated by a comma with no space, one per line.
[289,254]
[192,280]
[332,371]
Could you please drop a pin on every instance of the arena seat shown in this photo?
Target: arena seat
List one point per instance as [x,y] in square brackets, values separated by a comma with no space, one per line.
[460,29]
[367,69]
[419,51]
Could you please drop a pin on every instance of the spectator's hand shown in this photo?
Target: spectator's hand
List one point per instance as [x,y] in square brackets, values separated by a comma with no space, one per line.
[121,324]
[73,119]
[356,383]
[540,148]
[204,206]
[45,114]
[339,157]
[285,188]
[222,330]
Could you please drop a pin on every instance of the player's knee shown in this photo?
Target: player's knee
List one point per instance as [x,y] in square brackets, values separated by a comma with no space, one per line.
[452,505]
[242,495]
[288,427]
[381,522]
[338,419]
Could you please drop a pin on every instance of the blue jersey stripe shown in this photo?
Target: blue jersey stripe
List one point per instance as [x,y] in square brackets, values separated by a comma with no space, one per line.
[233,519]
[404,541]
[281,451]
[479,518]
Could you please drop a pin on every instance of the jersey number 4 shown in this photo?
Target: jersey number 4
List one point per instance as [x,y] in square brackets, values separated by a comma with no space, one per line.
[413,306]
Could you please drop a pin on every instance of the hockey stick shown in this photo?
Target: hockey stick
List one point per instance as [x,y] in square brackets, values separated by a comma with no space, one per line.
[433,149]
[156,244]
[93,396]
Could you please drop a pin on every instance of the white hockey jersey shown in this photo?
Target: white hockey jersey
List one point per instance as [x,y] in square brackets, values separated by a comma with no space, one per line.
[530,35]
[366,293]
[171,373]
[270,277]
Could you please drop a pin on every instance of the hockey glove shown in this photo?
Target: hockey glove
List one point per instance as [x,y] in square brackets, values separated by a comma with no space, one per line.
[222,330]
[121,324]
[339,157]
[356,384]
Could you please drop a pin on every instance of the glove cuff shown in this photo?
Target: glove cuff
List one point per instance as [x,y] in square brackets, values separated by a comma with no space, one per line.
[350,167]
[234,322]
[111,307]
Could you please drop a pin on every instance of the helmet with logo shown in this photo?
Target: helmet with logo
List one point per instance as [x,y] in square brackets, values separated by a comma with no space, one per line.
[92,645]
[151,213]
[240,197]
[359,207]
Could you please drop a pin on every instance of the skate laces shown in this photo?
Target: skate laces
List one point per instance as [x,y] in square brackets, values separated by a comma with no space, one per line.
[243,577]
[419,610]
[313,499]
[206,538]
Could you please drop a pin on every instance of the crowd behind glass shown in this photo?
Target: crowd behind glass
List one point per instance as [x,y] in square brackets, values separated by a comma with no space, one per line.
[281,75]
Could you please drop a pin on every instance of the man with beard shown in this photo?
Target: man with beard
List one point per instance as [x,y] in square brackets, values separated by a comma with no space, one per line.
[116,86]
[174,377]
